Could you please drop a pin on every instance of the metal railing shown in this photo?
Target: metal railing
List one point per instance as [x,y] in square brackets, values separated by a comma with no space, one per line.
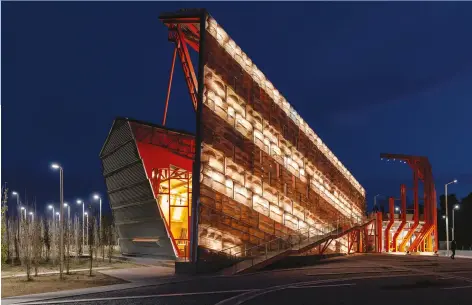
[294,241]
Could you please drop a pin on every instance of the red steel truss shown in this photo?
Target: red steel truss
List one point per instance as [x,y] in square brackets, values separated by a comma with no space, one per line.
[403,218]
[184,31]
[421,171]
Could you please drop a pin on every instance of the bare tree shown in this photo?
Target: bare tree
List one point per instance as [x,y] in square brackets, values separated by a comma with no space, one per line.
[96,239]
[68,241]
[77,237]
[11,242]
[16,233]
[111,241]
[37,244]
[47,238]
[5,234]
[91,226]
[26,246]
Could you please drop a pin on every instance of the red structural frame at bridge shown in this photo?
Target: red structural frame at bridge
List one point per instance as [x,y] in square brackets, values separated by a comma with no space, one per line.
[422,171]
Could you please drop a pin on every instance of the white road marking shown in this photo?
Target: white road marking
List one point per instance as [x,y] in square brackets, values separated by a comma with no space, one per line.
[182,294]
[321,286]
[460,287]
[241,298]
[358,272]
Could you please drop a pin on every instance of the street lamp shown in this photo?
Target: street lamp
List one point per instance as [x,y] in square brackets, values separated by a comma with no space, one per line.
[86,214]
[32,216]
[58,216]
[51,207]
[83,221]
[66,205]
[61,218]
[444,216]
[17,206]
[447,217]
[375,200]
[23,209]
[456,207]
[97,197]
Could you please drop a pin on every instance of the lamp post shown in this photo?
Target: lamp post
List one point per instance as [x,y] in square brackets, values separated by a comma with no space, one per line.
[456,207]
[375,200]
[447,217]
[32,216]
[18,207]
[86,214]
[61,217]
[97,197]
[66,205]
[23,209]
[83,222]
[51,207]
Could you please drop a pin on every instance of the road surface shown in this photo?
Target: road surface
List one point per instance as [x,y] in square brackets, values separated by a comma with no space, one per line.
[360,279]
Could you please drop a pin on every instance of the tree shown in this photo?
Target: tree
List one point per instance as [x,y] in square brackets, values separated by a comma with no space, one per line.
[96,239]
[47,238]
[77,237]
[26,246]
[37,244]
[91,226]
[5,235]
[111,240]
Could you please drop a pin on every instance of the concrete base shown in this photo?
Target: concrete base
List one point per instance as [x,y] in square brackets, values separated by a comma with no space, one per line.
[300,261]
[196,268]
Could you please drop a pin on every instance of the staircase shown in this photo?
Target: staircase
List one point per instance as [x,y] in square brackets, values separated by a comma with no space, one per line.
[299,242]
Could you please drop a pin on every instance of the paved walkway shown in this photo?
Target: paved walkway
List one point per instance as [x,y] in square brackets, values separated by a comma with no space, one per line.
[142,274]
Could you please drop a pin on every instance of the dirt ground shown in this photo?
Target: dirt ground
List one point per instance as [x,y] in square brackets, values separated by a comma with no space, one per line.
[49,283]
[82,263]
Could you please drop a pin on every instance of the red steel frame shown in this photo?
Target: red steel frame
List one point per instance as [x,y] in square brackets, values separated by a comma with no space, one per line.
[181,39]
[391,211]
[403,217]
[421,171]
[187,29]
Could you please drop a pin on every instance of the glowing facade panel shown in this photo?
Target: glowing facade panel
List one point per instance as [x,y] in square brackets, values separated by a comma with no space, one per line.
[264,172]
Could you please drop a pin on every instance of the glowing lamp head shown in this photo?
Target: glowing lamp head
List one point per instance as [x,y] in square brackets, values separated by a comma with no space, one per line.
[50,206]
[31,213]
[455,181]
[397,208]
[456,207]
[65,204]
[57,213]
[96,197]
[55,166]
[14,193]
[85,213]
[22,208]
[444,216]
[79,201]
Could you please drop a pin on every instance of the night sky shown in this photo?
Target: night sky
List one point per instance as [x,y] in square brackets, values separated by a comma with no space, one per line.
[367,77]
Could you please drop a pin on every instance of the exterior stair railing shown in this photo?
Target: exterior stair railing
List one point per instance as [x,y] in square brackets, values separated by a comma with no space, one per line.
[295,242]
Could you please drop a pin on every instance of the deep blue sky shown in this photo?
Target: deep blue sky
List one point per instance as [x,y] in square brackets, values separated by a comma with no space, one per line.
[368,77]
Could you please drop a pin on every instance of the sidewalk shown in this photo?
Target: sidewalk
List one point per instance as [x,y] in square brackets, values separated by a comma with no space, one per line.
[137,277]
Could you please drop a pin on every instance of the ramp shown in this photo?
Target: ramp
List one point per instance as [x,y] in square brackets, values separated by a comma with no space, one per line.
[266,254]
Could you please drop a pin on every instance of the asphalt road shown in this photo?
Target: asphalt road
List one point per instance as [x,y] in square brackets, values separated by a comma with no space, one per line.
[359,279]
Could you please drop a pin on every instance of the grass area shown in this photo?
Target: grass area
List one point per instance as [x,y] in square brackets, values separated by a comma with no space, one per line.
[81,263]
[50,283]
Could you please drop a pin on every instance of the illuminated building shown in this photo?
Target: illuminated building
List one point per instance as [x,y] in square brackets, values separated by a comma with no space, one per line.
[263,172]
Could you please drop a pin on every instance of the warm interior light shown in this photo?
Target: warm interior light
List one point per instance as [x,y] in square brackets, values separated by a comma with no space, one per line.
[243,60]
